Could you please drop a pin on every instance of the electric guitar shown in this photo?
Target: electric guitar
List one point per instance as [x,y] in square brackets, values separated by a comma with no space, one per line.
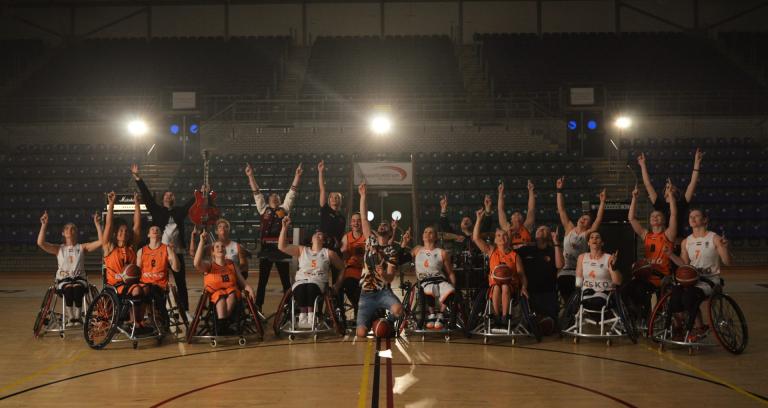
[204,211]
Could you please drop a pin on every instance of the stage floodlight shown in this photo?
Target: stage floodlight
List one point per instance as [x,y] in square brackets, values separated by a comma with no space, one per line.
[138,127]
[623,122]
[370,216]
[397,215]
[380,124]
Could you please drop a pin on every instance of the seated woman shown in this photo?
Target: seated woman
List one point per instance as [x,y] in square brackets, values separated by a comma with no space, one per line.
[222,280]
[155,259]
[314,271]
[118,243]
[235,252]
[703,250]
[501,254]
[353,251]
[433,265]
[595,274]
[70,277]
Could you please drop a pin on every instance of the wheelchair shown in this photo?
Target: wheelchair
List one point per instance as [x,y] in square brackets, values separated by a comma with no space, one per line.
[611,321]
[725,317]
[345,312]
[107,318]
[415,312]
[522,321]
[639,310]
[326,318]
[249,322]
[50,319]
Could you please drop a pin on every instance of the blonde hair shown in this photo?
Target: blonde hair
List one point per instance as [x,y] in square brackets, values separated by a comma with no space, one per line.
[223,221]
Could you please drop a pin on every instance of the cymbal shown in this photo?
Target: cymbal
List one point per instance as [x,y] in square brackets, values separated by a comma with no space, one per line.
[447,236]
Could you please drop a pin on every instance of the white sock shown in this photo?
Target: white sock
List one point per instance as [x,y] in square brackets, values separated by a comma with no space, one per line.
[302,317]
[310,318]
[76,311]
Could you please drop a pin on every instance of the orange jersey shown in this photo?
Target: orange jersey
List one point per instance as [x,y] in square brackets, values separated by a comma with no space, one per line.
[355,251]
[654,245]
[520,237]
[498,257]
[220,276]
[116,260]
[154,265]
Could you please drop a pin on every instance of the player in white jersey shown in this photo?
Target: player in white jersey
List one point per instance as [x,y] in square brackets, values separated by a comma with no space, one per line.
[704,250]
[595,274]
[314,271]
[70,277]
[574,240]
[433,265]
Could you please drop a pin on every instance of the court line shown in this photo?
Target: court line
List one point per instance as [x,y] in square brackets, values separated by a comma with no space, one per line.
[521,374]
[236,348]
[364,380]
[709,375]
[44,370]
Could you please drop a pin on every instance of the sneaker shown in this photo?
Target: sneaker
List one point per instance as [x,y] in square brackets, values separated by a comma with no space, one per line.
[303,321]
[430,322]
[438,324]
[75,321]
[697,334]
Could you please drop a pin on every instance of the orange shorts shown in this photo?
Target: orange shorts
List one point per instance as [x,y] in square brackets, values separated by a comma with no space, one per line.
[352,272]
[217,294]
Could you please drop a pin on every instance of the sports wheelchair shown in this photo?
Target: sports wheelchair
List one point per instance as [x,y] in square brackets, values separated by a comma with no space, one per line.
[326,318]
[639,293]
[725,317]
[52,320]
[611,321]
[248,323]
[415,310]
[107,317]
[521,320]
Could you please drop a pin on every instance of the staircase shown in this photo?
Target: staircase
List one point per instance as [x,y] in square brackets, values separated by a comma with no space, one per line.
[475,82]
[295,70]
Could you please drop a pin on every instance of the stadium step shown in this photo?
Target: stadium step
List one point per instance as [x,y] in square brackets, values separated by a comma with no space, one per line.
[295,69]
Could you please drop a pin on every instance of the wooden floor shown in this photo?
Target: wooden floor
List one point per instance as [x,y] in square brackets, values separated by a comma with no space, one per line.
[463,373]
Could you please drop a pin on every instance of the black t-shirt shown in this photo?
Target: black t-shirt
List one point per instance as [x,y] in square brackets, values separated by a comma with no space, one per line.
[539,267]
[332,223]
[682,212]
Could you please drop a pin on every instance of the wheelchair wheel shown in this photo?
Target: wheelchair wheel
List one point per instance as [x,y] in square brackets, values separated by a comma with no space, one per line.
[409,302]
[174,294]
[571,307]
[458,314]
[251,309]
[282,313]
[90,295]
[476,312]
[102,319]
[43,315]
[660,319]
[626,319]
[728,323]
[530,319]
[199,310]
[330,311]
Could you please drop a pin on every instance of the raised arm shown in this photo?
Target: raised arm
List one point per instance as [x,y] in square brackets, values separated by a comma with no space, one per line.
[723,249]
[600,212]
[615,274]
[321,182]
[172,258]
[530,217]
[567,224]
[647,178]
[671,231]
[136,219]
[282,241]
[503,223]
[521,275]
[632,218]
[109,220]
[694,175]
[559,260]
[364,223]
[198,262]
[290,196]
[45,246]
[684,258]
[481,244]
[149,199]
[444,225]
[258,198]
[94,245]
[191,247]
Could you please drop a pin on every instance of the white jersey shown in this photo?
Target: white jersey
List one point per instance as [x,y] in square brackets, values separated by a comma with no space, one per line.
[595,273]
[232,252]
[574,244]
[71,260]
[313,268]
[703,254]
[429,264]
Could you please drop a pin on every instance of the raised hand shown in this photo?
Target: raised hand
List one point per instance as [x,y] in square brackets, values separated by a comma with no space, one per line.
[96,218]
[641,159]
[635,192]
[480,213]
[248,170]
[362,189]
[560,183]
[299,170]
[501,189]
[111,197]
[697,158]
[602,196]
[321,166]
[612,259]
[406,238]
[286,221]
[136,198]
[135,171]
[554,234]
[487,203]
[44,218]
[530,185]
[724,241]
[203,236]
[443,203]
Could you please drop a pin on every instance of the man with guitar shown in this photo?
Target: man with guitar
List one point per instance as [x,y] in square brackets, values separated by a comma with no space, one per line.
[170,219]
[271,213]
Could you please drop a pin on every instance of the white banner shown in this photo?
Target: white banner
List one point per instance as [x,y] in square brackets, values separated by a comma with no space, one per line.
[582,96]
[183,100]
[384,174]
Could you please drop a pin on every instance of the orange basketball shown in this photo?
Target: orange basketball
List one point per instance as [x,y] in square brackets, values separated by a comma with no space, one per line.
[502,274]
[381,328]
[130,274]
[687,275]
[642,269]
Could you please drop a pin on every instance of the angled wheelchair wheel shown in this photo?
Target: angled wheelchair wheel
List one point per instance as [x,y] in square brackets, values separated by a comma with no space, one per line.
[330,311]
[173,305]
[43,315]
[101,320]
[199,310]
[283,312]
[626,320]
[90,295]
[728,322]
[476,312]
[251,310]
[458,313]
[531,322]
[660,319]
[568,317]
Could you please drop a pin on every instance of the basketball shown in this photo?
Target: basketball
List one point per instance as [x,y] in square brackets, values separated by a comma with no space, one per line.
[381,328]
[130,274]
[504,275]
[642,269]
[687,275]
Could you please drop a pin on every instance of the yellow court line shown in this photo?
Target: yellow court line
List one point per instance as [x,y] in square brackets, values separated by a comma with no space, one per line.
[44,370]
[366,371]
[708,375]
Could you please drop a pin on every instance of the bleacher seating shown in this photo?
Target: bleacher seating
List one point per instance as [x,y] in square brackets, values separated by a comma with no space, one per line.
[17,56]
[753,47]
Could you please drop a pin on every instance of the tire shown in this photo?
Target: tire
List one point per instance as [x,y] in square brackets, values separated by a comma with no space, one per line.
[407,315]
[570,309]
[626,319]
[330,311]
[476,312]
[530,319]
[660,319]
[251,308]
[282,312]
[192,328]
[728,322]
[45,311]
[101,320]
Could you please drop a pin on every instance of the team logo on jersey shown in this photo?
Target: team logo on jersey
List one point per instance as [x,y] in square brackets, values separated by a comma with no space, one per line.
[706,244]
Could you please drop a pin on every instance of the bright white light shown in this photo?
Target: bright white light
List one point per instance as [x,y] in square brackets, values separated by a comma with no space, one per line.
[396,215]
[138,127]
[623,122]
[381,124]
[370,216]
